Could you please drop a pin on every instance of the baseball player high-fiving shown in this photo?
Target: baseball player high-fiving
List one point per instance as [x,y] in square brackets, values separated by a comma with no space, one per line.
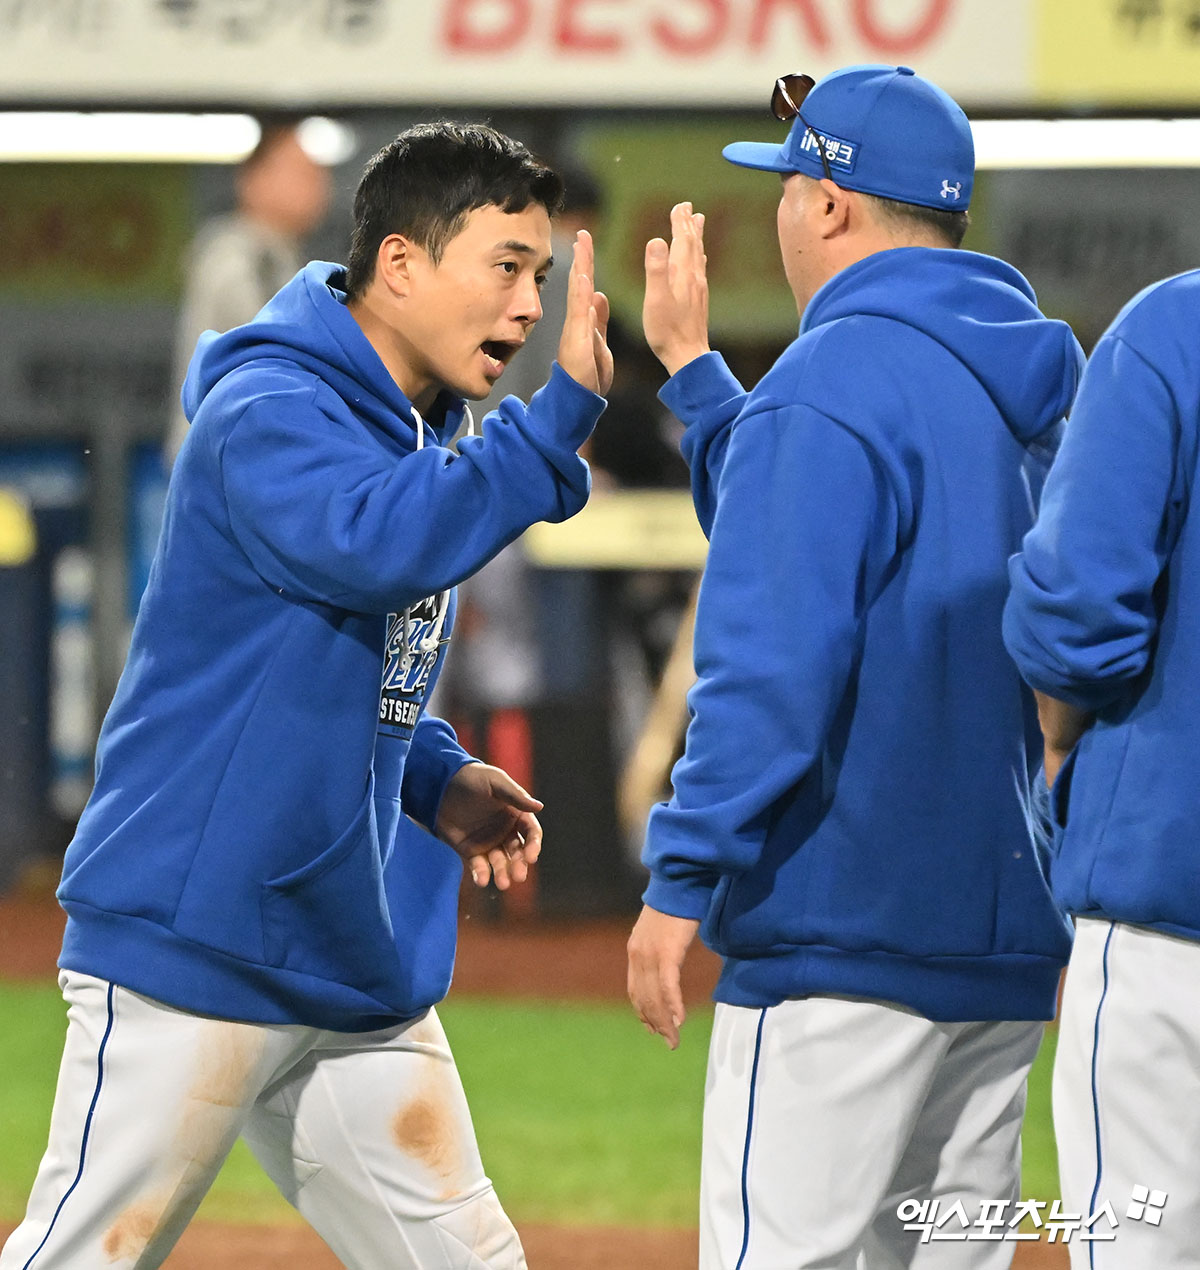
[849,819]
[257,930]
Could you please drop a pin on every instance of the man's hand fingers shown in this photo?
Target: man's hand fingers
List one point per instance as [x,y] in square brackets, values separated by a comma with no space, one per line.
[654,319]
[579,304]
[682,244]
[498,859]
[664,1006]
[506,790]
[687,246]
[654,1012]
[657,946]
[531,830]
[600,304]
[672,999]
[657,1000]
[657,293]
[681,219]
[581,353]
[692,258]
[585,256]
[600,350]
[515,862]
[481,871]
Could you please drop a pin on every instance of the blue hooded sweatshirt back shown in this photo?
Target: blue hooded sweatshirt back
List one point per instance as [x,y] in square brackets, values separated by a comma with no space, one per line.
[1105,614]
[247,851]
[851,812]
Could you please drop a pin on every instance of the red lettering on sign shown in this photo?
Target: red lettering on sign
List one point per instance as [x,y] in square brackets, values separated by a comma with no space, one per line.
[467,32]
[694,43]
[897,43]
[684,28]
[571,35]
[806,10]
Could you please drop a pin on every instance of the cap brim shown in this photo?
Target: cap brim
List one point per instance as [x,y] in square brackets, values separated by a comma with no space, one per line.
[758,154]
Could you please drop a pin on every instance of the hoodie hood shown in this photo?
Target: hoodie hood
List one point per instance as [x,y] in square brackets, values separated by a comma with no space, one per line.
[981,310]
[307,324]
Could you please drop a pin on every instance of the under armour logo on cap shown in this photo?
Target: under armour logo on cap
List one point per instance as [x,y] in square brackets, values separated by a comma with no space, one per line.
[951,191]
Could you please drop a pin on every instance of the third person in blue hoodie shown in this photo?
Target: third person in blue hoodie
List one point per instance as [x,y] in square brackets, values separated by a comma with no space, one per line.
[850,816]
[1104,622]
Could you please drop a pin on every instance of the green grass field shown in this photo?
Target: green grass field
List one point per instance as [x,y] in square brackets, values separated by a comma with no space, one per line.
[582,1118]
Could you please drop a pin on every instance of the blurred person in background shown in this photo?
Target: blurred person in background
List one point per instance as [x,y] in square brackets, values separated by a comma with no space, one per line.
[237,262]
[850,817]
[257,928]
[1103,622]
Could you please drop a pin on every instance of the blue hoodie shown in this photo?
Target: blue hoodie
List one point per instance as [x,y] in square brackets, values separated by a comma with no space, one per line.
[246,852]
[850,815]
[1105,614]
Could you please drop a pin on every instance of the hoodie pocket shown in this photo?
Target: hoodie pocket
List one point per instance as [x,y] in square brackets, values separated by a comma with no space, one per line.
[329,918]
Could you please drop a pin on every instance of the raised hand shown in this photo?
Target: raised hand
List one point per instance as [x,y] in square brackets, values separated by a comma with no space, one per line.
[675,311]
[583,351]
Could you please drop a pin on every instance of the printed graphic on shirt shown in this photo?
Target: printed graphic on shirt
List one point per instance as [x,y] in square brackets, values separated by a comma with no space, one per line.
[414,640]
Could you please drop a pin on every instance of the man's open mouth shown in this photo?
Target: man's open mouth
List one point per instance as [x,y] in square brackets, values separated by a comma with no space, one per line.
[499,353]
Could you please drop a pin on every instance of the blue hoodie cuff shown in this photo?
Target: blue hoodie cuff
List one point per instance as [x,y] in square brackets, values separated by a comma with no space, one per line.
[692,391]
[688,897]
[432,760]
[1091,696]
[563,412]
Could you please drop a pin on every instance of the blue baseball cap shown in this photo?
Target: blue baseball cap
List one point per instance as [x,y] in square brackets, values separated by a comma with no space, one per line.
[885,131]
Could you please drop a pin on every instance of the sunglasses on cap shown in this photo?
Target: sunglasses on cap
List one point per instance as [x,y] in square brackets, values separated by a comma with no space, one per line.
[786,99]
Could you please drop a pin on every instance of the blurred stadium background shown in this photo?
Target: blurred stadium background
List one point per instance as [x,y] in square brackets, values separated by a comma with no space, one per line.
[121,125]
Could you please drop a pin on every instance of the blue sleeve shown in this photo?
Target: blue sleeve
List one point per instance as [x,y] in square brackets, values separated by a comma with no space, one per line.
[1080,619]
[706,398]
[327,516]
[777,631]
[433,757]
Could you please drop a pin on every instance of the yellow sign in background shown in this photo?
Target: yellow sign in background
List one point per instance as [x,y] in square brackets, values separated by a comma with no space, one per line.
[626,529]
[1091,53]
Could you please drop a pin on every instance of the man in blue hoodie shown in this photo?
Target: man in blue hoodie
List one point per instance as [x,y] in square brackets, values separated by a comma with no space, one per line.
[257,930]
[1103,621]
[849,816]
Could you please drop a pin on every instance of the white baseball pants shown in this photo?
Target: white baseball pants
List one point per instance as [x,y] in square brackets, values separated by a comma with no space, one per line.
[367,1134]
[1127,1094]
[824,1115]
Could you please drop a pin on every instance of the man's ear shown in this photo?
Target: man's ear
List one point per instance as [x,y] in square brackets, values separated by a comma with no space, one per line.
[393,264]
[833,209]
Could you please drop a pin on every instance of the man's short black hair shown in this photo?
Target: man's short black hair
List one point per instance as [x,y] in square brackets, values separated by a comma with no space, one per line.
[927,222]
[426,182]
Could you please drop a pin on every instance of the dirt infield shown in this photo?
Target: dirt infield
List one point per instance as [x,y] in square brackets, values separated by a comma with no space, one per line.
[560,961]
[515,958]
[206,1246]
